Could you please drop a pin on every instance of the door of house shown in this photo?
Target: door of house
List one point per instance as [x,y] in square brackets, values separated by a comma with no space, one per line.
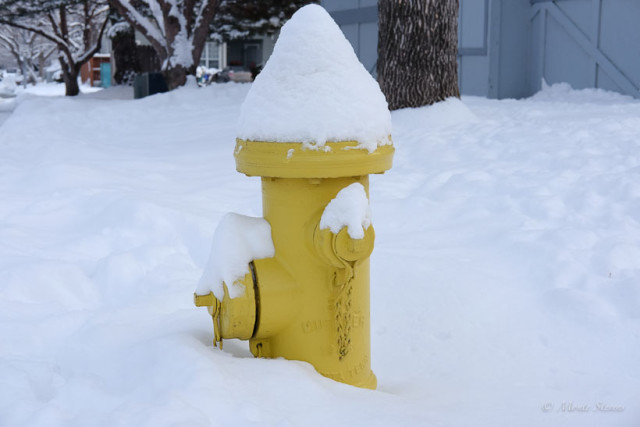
[252,54]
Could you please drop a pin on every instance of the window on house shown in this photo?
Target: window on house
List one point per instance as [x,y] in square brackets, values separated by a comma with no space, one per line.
[210,57]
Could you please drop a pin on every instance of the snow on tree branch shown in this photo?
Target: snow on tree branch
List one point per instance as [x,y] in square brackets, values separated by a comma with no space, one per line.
[177,30]
[74,26]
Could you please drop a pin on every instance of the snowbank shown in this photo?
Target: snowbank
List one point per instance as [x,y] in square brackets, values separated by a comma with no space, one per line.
[7,105]
[313,89]
[504,281]
[450,112]
[563,92]
[8,84]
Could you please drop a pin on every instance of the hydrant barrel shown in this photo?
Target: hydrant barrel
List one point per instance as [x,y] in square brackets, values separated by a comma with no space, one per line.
[321,279]
[331,329]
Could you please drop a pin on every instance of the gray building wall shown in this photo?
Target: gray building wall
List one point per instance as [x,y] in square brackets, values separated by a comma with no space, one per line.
[493,48]
[473,47]
[506,47]
[358,20]
[512,49]
[587,43]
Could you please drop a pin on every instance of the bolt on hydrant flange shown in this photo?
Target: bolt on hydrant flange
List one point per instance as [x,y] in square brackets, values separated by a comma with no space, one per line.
[307,299]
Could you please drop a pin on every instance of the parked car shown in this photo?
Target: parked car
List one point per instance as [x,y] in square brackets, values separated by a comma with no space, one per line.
[235,73]
[12,75]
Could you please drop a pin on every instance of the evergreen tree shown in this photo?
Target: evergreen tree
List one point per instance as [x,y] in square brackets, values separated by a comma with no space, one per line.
[243,18]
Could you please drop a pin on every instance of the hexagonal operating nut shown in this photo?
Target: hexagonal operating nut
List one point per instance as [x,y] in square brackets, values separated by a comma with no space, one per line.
[350,249]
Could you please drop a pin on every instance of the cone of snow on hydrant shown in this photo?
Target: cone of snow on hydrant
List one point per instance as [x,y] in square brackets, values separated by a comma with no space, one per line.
[296,282]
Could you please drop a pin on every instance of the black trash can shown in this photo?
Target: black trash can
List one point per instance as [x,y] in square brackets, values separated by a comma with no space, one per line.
[146,84]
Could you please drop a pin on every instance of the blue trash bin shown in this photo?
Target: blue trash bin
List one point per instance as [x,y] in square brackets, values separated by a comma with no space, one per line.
[105,74]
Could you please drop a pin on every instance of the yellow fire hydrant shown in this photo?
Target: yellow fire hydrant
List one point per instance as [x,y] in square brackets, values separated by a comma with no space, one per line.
[309,301]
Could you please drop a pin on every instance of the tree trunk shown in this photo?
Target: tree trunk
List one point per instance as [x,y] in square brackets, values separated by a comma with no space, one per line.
[70,78]
[71,87]
[41,65]
[31,75]
[417,51]
[23,70]
[176,76]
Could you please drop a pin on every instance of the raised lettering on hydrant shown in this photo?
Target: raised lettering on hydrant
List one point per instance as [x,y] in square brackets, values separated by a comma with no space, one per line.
[296,282]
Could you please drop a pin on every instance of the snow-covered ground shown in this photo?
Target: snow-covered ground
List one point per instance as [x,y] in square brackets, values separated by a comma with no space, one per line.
[505,279]
[8,93]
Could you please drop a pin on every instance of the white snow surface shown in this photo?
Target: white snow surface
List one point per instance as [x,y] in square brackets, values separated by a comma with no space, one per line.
[237,241]
[350,208]
[504,282]
[313,89]
[10,96]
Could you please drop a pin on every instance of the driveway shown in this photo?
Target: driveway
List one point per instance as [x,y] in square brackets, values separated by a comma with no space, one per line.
[6,108]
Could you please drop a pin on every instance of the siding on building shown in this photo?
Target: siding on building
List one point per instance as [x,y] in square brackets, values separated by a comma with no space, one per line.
[358,20]
[507,47]
[588,43]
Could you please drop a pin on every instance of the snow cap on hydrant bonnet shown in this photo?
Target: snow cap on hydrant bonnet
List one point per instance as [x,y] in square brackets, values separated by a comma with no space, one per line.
[314,90]
[313,127]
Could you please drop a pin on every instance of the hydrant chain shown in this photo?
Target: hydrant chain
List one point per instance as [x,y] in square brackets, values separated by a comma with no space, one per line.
[343,320]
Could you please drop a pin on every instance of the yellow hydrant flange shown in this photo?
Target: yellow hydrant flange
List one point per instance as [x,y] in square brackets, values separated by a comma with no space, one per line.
[232,317]
[297,160]
[311,299]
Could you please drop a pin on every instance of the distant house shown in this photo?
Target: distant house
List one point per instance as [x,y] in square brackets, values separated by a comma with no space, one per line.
[248,52]
[507,47]
[93,72]
[251,52]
